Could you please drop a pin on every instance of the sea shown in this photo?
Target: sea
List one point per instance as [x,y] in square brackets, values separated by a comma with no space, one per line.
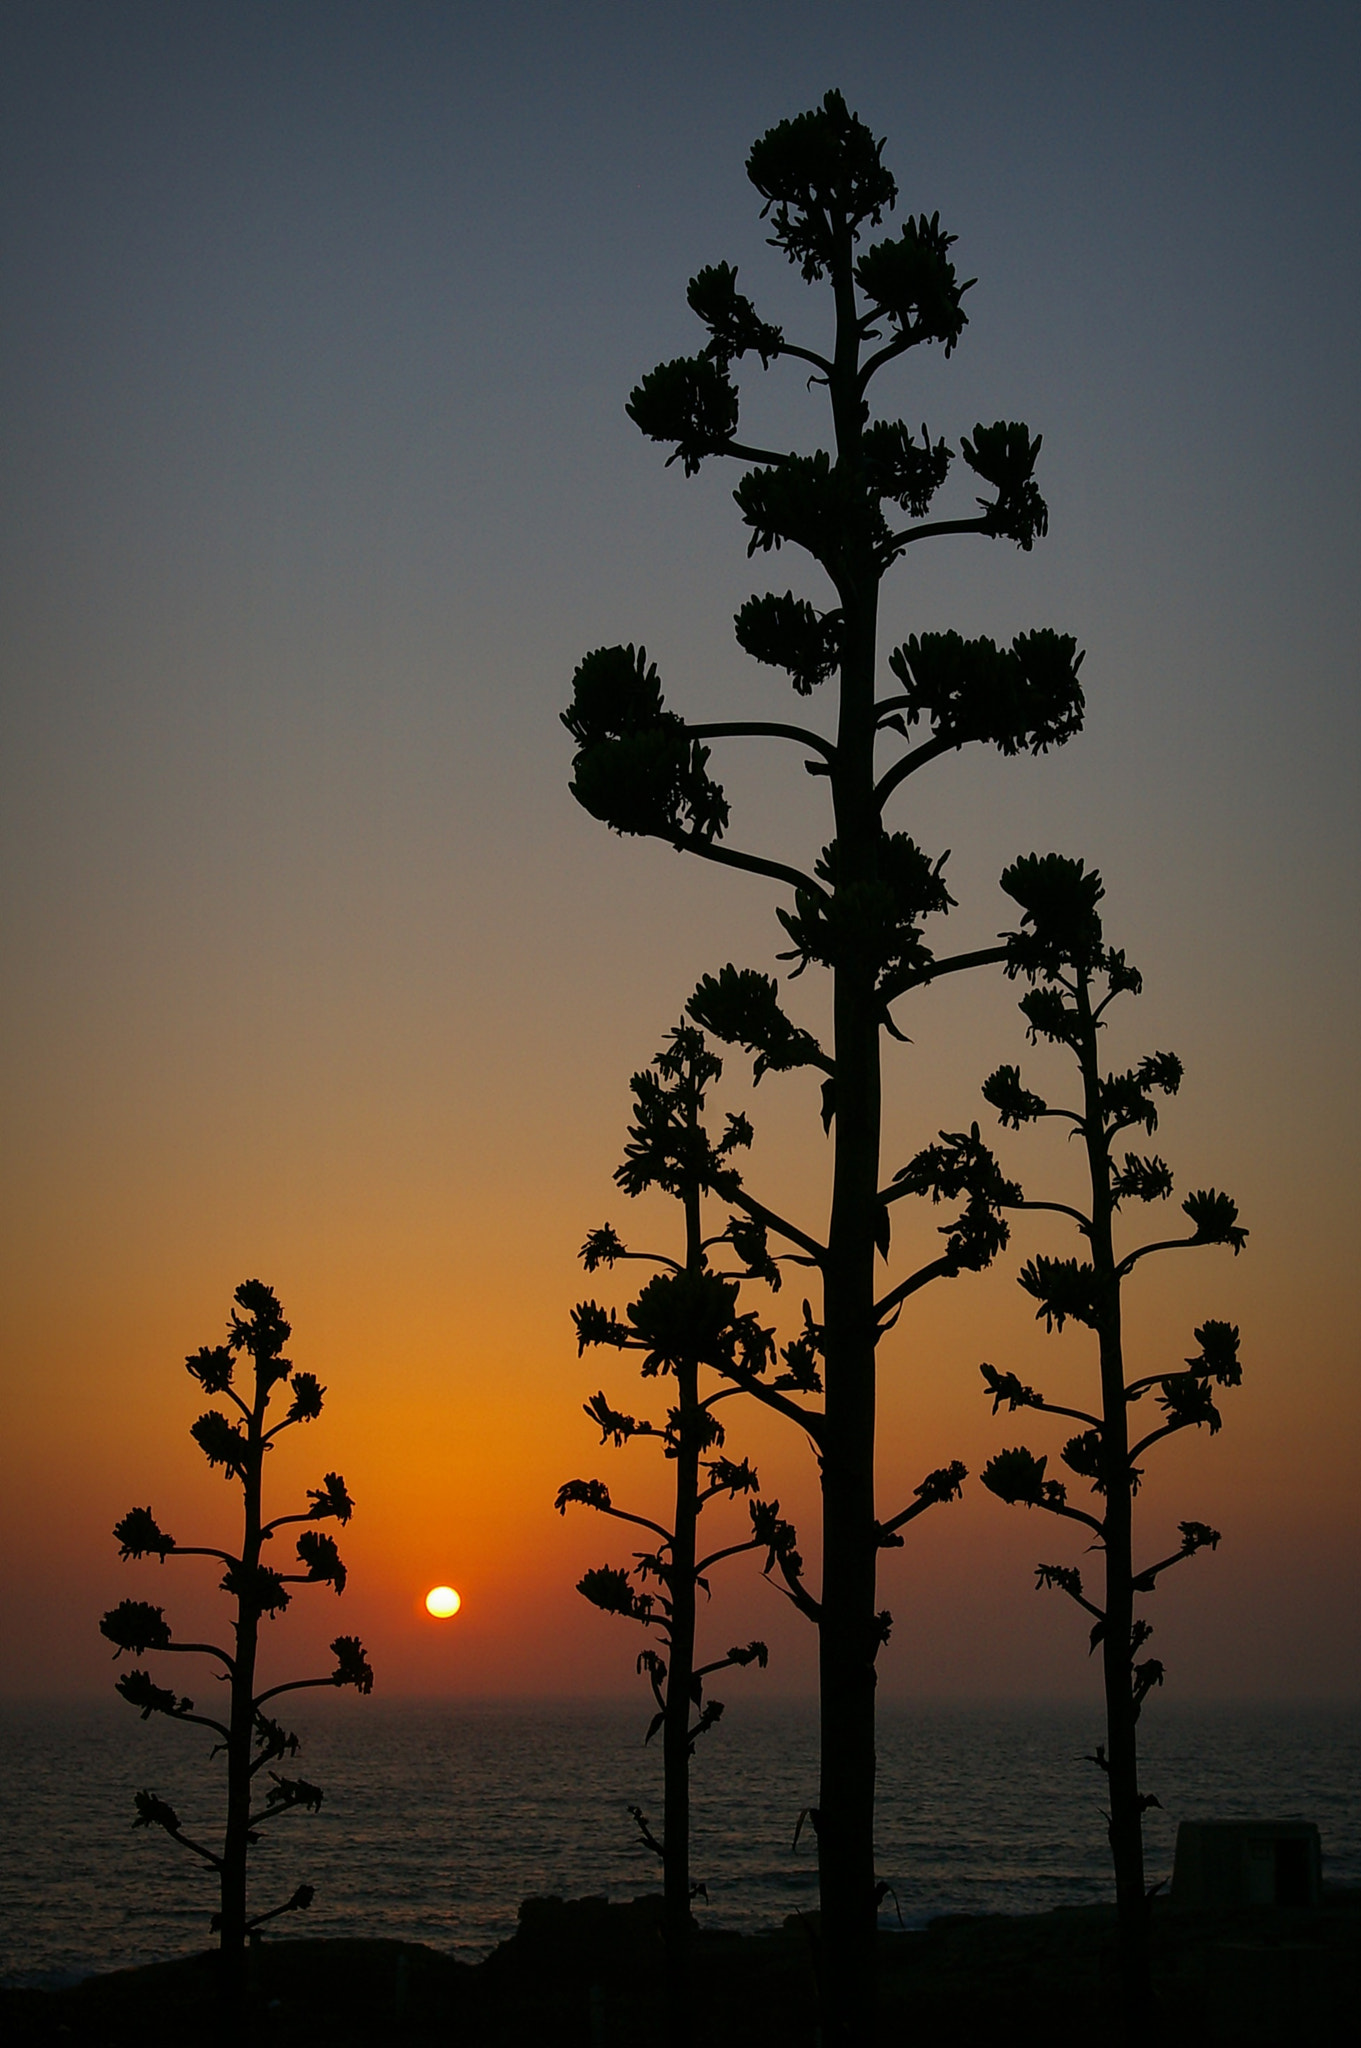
[438,1819]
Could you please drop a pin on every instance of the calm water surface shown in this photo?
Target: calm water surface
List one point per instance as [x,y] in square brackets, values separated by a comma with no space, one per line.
[438,1820]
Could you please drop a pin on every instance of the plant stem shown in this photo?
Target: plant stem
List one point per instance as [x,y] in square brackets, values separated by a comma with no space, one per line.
[1117,1653]
[848,1639]
[241,1729]
[681,1661]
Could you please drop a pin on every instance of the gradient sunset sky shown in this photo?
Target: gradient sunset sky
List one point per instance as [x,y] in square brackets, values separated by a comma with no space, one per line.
[319,324]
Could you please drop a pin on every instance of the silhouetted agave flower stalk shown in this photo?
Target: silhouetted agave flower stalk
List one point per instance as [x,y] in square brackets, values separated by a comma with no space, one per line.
[643,769]
[687,1325]
[1075,977]
[252,1739]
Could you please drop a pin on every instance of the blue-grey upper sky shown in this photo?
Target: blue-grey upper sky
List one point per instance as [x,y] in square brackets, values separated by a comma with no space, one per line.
[319,322]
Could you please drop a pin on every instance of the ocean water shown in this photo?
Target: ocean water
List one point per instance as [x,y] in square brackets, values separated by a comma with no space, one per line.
[439,1819]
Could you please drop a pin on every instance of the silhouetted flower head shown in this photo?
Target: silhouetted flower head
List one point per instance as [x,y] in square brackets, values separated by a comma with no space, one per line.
[786,632]
[684,1316]
[137,1626]
[330,1501]
[742,1008]
[1060,926]
[602,1248]
[911,279]
[691,401]
[221,1442]
[1004,1386]
[307,1398]
[319,1554]
[259,1588]
[155,1813]
[1024,698]
[1066,1290]
[1004,456]
[138,1690]
[635,767]
[212,1366]
[139,1535]
[586,1493]
[261,1330]
[822,177]
[607,1587]
[731,318]
[1218,1356]
[352,1666]
[1215,1217]
[284,1793]
[1017,1477]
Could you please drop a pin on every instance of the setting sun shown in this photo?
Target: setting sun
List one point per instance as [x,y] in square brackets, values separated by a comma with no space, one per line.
[442,1602]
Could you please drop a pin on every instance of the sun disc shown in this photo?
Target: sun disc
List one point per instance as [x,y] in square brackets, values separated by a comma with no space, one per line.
[442,1602]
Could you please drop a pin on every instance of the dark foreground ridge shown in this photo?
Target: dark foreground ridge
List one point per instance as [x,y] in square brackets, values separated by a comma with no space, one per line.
[580,1973]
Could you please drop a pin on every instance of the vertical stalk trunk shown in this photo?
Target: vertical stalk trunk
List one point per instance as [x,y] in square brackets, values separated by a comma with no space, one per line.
[1117,1651]
[241,1726]
[848,1638]
[676,1728]
[680,1671]
[848,1635]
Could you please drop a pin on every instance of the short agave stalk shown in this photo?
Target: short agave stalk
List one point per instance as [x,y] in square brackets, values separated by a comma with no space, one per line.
[1074,980]
[686,1323]
[252,1740]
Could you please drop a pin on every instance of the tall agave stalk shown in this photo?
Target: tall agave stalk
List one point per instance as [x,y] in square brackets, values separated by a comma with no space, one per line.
[855,509]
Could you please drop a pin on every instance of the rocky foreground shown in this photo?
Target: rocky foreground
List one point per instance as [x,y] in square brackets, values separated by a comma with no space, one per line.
[583,1974]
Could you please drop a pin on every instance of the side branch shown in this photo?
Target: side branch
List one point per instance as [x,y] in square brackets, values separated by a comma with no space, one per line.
[1143,1581]
[883,1530]
[203,1721]
[773,457]
[958,963]
[816,1252]
[804,355]
[622,1515]
[1084,1223]
[1156,1436]
[716,1557]
[1154,1379]
[1074,1414]
[197,1649]
[298,1685]
[755,728]
[1166,1244]
[795,1590]
[1053,1507]
[808,1419]
[1097,1613]
[938,1269]
[750,863]
[935,526]
[930,750]
[188,1843]
[889,353]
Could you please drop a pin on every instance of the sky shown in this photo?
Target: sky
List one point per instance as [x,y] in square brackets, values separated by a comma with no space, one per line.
[319,325]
